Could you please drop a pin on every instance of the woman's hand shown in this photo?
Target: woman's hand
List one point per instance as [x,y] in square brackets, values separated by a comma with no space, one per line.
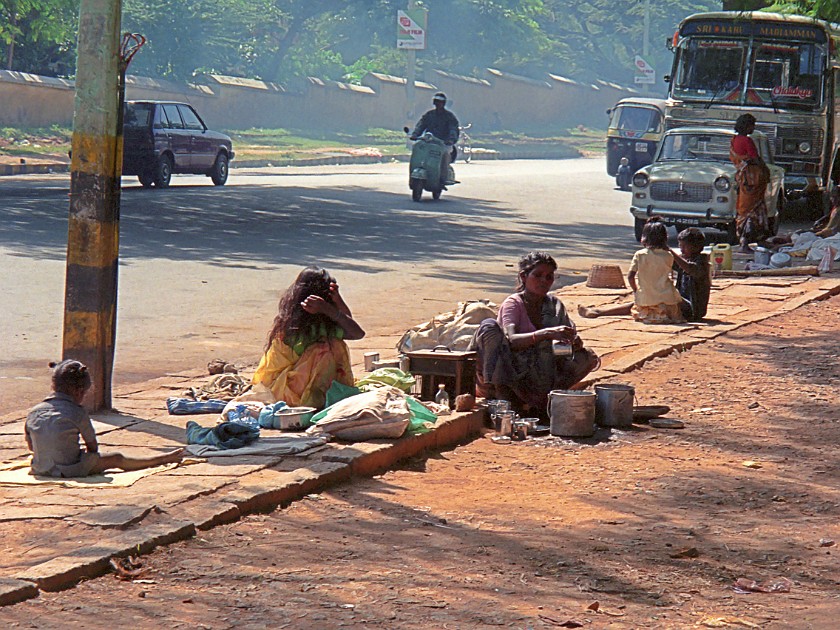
[566,334]
[315,304]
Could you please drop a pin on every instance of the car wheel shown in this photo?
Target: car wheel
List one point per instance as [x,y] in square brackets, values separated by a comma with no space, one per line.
[638,226]
[219,172]
[416,189]
[163,174]
[146,180]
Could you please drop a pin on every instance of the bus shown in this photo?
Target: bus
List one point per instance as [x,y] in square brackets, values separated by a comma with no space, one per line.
[782,69]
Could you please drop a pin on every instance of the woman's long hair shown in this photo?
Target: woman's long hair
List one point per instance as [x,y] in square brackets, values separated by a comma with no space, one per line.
[742,124]
[291,319]
[528,263]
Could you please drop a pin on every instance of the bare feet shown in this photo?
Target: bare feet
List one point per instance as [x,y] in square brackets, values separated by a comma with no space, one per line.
[589,313]
[173,457]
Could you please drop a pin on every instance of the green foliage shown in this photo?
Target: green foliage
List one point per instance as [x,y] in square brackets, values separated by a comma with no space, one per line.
[822,9]
[39,35]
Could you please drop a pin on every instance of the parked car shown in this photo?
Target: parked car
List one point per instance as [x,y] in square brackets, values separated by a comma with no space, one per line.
[692,182]
[161,138]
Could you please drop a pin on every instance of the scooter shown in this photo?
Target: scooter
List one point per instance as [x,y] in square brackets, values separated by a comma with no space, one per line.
[424,167]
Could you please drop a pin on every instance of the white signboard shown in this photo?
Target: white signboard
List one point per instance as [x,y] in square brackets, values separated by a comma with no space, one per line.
[645,73]
[411,29]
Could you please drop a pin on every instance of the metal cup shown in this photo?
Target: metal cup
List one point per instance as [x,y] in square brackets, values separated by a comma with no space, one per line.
[505,419]
[561,349]
[370,359]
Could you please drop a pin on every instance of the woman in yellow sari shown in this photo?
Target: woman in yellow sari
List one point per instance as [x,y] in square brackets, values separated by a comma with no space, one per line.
[752,177]
[306,352]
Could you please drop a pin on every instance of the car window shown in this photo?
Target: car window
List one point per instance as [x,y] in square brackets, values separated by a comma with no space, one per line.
[192,121]
[173,117]
[695,146]
[137,114]
[763,149]
[161,121]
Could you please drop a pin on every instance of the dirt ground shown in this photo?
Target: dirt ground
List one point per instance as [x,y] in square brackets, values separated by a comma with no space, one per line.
[644,528]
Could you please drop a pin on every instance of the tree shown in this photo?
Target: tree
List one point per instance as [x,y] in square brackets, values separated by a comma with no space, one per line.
[822,9]
[39,35]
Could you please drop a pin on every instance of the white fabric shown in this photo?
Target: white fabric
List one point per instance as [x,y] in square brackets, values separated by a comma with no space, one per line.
[453,329]
[380,413]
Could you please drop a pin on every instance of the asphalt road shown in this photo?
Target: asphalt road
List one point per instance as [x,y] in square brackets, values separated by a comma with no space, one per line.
[201,268]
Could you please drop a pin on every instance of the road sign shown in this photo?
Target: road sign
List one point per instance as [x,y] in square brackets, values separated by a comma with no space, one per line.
[644,72]
[411,29]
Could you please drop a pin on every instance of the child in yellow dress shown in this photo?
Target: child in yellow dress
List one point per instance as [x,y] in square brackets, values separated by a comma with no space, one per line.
[656,299]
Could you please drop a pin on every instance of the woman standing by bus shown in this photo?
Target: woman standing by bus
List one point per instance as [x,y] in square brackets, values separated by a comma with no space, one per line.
[752,177]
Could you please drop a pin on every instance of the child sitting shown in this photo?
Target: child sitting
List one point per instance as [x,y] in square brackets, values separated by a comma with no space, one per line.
[660,302]
[54,426]
[693,280]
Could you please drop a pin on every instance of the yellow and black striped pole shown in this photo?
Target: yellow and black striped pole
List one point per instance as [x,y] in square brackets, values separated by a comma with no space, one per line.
[90,306]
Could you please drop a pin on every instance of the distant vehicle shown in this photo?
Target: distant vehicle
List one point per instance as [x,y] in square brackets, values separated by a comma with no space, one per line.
[635,129]
[692,182]
[161,138]
[782,69]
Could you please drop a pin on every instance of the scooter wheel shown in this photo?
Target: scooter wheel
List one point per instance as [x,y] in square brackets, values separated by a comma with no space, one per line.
[416,189]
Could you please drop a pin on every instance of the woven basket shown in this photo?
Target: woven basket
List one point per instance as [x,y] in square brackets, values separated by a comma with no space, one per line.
[605,277]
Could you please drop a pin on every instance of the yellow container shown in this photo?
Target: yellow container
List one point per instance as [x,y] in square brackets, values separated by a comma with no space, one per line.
[722,256]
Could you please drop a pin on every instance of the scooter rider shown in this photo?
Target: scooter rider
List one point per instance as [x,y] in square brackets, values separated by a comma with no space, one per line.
[442,124]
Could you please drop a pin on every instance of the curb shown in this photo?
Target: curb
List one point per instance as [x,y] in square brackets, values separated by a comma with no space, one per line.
[335,160]
[259,491]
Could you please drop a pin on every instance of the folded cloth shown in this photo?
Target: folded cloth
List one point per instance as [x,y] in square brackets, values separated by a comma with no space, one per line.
[227,435]
[282,445]
[185,406]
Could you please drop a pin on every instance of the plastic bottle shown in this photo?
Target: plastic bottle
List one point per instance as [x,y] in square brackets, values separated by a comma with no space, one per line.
[442,397]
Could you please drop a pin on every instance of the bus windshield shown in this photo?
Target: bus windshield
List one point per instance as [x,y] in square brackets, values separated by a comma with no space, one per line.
[776,74]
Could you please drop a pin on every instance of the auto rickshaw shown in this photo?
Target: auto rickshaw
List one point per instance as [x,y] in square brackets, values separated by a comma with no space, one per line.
[635,129]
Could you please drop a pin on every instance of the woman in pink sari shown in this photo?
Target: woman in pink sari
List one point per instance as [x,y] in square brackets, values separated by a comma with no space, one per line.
[752,177]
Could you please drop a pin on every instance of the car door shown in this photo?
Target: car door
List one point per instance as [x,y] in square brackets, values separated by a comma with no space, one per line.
[202,149]
[179,137]
[777,176]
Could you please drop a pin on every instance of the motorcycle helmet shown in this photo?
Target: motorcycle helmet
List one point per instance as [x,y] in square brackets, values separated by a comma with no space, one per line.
[440,96]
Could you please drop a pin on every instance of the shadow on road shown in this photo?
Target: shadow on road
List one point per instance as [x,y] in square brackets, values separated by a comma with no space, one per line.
[267,225]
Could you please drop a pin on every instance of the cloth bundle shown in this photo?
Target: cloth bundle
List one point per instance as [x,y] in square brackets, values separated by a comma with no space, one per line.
[227,435]
[454,329]
[380,413]
[185,406]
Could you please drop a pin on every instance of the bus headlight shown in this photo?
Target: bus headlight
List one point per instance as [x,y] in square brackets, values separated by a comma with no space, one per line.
[723,184]
[804,147]
[640,180]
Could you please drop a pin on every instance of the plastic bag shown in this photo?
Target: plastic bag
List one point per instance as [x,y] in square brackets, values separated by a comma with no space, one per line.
[827,260]
[394,377]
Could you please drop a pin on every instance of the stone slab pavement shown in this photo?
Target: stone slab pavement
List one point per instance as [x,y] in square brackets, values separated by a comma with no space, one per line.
[55,536]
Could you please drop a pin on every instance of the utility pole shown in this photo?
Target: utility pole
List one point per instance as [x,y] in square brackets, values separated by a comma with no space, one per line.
[90,303]
[411,75]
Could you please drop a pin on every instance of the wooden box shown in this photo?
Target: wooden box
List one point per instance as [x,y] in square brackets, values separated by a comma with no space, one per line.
[454,369]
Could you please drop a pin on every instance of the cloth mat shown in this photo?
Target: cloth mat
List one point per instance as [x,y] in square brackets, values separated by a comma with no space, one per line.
[286,445]
[17,474]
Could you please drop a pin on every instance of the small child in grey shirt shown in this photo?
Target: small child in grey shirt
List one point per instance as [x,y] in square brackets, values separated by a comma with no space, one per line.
[53,429]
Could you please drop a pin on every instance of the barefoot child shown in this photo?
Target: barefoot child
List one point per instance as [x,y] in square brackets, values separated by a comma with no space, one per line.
[693,280]
[656,300]
[54,426]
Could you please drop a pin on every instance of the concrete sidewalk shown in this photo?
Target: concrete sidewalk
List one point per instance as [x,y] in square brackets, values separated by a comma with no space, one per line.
[55,536]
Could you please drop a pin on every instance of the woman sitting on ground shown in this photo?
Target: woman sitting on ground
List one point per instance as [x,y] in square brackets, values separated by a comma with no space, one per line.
[306,352]
[515,358]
